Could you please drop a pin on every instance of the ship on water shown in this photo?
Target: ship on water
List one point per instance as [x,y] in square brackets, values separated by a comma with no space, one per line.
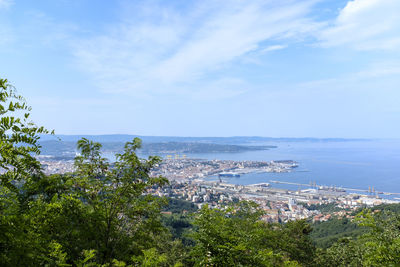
[228,174]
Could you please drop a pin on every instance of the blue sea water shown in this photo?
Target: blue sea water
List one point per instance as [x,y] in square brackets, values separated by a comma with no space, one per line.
[351,164]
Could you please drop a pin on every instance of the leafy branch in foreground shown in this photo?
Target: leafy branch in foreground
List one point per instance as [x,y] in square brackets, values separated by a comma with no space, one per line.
[18,138]
[117,208]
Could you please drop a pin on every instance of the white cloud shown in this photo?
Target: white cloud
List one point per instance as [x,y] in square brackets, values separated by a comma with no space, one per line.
[366,25]
[380,69]
[273,48]
[181,50]
[6,3]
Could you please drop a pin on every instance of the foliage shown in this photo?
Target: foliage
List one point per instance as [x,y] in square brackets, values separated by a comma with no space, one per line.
[179,226]
[325,234]
[53,220]
[18,170]
[395,208]
[104,208]
[378,247]
[235,236]
[176,205]
[98,208]
[324,208]
[18,140]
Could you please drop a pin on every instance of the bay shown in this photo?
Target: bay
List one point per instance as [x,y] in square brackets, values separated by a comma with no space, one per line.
[351,164]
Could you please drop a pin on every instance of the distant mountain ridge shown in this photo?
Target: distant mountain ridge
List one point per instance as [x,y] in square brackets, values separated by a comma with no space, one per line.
[68,148]
[216,140]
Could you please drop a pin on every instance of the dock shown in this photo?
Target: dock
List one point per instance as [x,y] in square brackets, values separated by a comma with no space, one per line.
[337,188]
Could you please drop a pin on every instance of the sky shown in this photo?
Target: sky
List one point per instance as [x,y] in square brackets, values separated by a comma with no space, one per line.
[306,68]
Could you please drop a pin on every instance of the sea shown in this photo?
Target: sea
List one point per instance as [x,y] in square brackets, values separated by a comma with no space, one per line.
[360,164]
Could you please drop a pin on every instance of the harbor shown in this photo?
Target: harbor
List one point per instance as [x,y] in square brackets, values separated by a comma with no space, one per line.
[370,190]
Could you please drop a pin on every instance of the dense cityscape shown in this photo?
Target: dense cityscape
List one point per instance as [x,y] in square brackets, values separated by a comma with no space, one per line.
[186,168]
[280,205]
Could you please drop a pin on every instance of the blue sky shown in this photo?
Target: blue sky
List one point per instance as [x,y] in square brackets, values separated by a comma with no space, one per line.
[283,68]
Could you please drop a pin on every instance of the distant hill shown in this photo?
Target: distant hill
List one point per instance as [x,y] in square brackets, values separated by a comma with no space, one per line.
[65,145]
[68,148]
[216,140]
[181,147]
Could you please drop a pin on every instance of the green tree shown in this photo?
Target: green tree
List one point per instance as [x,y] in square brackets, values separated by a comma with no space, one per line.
[18,139]
[235,236]
[102,210]
[124,219]
[101,207]
[378,247]
[18,170]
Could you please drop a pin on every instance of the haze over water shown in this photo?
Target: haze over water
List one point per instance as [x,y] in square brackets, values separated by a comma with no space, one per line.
[352,164]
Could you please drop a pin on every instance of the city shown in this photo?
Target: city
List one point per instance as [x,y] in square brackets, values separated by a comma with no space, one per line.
[189,181]
[280,205]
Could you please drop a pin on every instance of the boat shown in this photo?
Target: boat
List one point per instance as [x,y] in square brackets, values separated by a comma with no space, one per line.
[228,174]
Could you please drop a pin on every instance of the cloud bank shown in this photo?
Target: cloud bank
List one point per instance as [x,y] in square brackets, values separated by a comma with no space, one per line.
[366,25]
[185,51]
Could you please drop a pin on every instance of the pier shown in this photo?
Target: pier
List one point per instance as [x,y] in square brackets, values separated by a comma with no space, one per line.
[369,190]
